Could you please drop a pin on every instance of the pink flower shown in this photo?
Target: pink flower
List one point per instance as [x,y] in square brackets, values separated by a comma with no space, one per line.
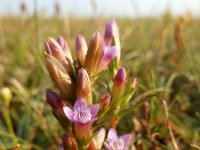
[115,142]
[109,53]
[83,117]
[81,113]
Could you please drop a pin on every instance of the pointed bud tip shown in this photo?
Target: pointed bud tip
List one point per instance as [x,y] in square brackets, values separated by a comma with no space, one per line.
[111,31]
[133,82]
[121,75]
[53,99]
[63,43]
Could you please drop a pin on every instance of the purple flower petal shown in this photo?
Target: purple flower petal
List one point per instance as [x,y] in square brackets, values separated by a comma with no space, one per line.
[69,113]
[107,146]
[126,138]
[94,110]
[110,32]
[109,54]
[112,135]
[80,103]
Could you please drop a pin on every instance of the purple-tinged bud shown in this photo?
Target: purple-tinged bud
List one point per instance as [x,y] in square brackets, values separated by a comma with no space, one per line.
[81,49]
[105,101]
[119,83]
[69,142]
[59,76]
[64,45]
[112,33]
[57,103]
[54,100]
[99,138]
[83,86]
[94,53]
[54,49]
[120,77]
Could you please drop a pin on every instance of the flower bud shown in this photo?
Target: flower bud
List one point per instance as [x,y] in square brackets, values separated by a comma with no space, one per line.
[53,48]
[59,76]
[64,45]
[119,83]
[105,101]
[83,86]
[54,100]
[99,138]
[69,142]
[133,83]
[94,53]
[112,34]
[81,49]
[56,103]
[6,95]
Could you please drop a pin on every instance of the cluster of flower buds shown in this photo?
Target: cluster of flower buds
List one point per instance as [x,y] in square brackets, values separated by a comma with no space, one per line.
[83,118]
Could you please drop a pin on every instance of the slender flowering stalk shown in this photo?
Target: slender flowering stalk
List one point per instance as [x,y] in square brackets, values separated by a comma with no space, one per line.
[72,79]
[115,142]
[82,116]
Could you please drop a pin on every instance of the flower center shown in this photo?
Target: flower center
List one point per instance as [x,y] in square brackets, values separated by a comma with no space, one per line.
[117,144]
[83,114]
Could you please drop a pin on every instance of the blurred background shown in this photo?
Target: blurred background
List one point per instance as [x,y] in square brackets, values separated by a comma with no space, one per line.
[159,46]
[92,8]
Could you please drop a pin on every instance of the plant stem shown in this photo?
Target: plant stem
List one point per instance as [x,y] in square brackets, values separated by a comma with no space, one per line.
[8,121]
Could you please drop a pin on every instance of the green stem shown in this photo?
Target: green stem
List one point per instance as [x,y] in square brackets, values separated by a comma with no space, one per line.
[8,121]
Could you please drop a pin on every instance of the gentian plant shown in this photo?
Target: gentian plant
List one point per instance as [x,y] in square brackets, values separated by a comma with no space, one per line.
[84,114]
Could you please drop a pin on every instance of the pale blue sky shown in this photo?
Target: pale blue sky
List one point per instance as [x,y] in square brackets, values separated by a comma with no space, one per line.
[114,8]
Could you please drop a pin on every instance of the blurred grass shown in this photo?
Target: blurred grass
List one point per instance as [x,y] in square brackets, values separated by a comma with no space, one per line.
[149,52]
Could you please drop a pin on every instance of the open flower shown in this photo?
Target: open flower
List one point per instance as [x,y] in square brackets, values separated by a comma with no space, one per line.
[115,142]
[81,113]
[82,116]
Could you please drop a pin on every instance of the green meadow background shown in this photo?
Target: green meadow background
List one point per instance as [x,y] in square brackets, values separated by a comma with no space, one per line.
[162,53]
